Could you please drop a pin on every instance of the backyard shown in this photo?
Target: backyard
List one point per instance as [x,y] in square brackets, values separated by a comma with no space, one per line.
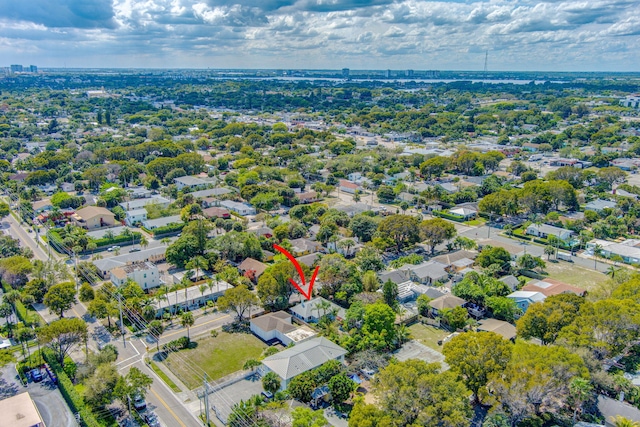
[428,335]
[574,275]
[217,356]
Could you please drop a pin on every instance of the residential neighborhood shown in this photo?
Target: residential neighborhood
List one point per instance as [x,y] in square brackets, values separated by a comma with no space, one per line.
[470,253]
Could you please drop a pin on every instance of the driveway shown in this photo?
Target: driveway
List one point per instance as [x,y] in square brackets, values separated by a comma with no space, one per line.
[47,397]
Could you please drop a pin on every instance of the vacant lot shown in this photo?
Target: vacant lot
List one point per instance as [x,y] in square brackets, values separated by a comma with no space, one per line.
[428,335]
[218,357]
[574,275]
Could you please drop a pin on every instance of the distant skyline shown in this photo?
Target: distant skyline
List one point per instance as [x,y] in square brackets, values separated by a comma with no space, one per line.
[520,35]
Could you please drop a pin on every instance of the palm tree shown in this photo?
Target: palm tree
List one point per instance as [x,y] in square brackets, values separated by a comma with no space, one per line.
[620,421]
[402,334]
[580,390]
[187,321]
[346,244]
[109,235]
[12,297]
[597,252]
[186,283]
[323,305]
[612,270]
[144,242]
[6,311]
[197,263]
[165,241]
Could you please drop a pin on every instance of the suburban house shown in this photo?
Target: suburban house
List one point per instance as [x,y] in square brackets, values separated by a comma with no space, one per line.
[599,205]
[511,281]
[262,231]
[93,217]
[545,230]
[143,273]
[301,358]
[105,265]
[151,224]
[139,192]
[308,197]
[549,287]
[192,300]
[308,260]
[20,411]
[278,326]
[428,272]
[215,212]
[252,267]
[42,206]
[524,299]
[464,212]
[191,182]
[396,276]
[141,203]
[311,311]
[304,246]
[211,192]
[500,327]
[348,186]
[242,209]
[446,301]
[628,250]
[136,216]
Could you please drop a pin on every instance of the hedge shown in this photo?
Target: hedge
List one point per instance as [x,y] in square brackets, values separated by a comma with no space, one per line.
[21,310]
[69,392]
[451,217]
[134,238]
[167,229]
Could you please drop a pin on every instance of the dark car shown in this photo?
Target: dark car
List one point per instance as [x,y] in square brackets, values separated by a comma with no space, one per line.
[36,375]
[139,403]
[151,419]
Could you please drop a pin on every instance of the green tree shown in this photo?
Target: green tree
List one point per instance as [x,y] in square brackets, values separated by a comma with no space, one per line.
[416,393]
[363,227]
[544,320]
[271,382]
[402,229]
[99,388]
[341,387]
[436,231]
[369,259]
[61,335]
[580,390]
[60,298]
[4,210]
[156,329]
[238,299]
[187,321]
[301,386]
[87,293]
[476,356]
[390,294]
[455,317]
[305,417]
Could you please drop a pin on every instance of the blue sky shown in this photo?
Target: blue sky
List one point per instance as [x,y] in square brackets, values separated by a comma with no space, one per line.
[552,35]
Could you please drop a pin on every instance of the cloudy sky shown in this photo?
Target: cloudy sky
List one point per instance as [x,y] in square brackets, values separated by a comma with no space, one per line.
[527,35]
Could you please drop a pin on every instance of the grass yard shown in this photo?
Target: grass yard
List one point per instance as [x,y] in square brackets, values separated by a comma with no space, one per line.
[475,222]
[574,275]
[428,335]
[218,357]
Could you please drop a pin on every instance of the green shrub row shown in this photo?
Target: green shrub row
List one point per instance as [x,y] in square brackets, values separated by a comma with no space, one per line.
[167,229]
[451,217]
[69,392]
[134,238]
[21,310]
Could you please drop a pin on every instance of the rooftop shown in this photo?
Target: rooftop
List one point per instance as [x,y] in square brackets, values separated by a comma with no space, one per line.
[19,411]
[303,357]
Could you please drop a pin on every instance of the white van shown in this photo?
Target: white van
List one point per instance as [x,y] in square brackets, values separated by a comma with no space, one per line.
[564,256]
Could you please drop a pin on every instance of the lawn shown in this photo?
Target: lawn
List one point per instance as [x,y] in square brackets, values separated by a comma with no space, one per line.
[475,222]
[218,357]
[428,335]
[574,275]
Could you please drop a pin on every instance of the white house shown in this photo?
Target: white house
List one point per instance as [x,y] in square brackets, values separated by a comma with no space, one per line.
[136,216]
[150,224]
[191,182]
[144,274]
[242,209]
[545,230]
[278,326]
[301,358]
[141,203]
[312,311]
[428,272]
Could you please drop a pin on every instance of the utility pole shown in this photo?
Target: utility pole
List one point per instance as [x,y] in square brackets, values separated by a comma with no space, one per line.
[206,400]
[124,343]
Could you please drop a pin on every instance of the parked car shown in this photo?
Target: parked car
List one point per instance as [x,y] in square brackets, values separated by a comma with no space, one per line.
[113,248]
[151,419]
[36,375]
[139,402]
[267,394]
[134,250]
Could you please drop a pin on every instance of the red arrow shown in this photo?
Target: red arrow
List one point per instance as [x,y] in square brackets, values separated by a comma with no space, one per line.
[295,263]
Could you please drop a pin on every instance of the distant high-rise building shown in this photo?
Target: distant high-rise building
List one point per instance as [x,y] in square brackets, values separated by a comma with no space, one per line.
[408,73]
[33,68]
[345,73]
[15,68]
[387,74]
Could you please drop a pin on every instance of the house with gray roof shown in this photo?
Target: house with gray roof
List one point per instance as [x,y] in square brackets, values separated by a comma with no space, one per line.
[278,326]
[599,205]
[150,224]
[428,272]
[141,203]
[546,230]
[301,358]
[310,311]
[524,299]
[211,192]
[105,265]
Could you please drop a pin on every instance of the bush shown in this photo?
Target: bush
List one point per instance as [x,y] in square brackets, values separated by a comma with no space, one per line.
[451,217]
[167,229]
[179,344]
[69,392]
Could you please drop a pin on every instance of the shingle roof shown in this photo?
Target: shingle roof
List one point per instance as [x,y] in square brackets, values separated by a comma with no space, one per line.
[303,357]
[507,330]
[447,301]
[279,320]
